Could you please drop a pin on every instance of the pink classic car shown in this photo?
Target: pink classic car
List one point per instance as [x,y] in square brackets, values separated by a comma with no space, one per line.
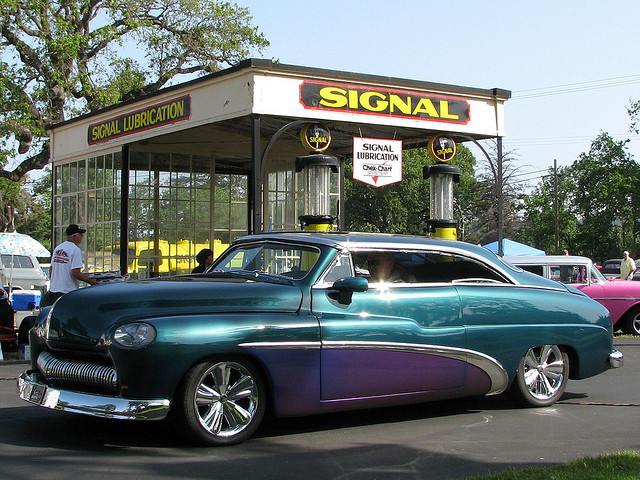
[620,297]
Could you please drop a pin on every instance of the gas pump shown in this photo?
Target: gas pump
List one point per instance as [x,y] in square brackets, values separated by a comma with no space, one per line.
[317,168]
[442,177]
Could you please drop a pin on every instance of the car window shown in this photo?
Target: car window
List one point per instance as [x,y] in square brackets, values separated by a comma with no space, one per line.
[537,269]
[19,261]
[290,261]
[569,274]
[340,268]
[420,267]
[597,276]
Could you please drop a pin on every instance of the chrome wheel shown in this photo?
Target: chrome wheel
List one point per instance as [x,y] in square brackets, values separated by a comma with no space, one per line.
[632,322]
[542,375]
[221,402]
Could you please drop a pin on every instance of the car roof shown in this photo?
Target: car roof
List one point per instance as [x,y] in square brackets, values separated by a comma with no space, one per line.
[363,239]
[548,260]
[354,241]
[366,240]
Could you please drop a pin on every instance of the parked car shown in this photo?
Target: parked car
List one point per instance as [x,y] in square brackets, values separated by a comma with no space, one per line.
[23,271]
[620,297]
[611,269]
[46,269]
[8,338]
[297,323]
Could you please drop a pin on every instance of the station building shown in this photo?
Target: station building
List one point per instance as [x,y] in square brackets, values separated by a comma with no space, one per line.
[198,164]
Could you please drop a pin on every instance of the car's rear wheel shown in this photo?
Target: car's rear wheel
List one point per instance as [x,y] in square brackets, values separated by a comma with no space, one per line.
[542,376]
[220,402]
[631,324]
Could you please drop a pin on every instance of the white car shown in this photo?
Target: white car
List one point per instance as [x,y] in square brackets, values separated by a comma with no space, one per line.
[23,271]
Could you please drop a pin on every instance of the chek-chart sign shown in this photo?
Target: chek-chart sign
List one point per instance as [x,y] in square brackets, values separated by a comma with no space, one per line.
[376,161]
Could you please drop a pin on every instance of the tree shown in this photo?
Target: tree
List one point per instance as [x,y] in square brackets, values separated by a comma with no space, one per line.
[606,199]
[486,201]
[33,213]
[634,112]
[63,57]
[598,204]
[539,213]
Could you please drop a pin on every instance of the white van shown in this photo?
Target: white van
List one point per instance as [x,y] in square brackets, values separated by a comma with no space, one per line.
[26,272]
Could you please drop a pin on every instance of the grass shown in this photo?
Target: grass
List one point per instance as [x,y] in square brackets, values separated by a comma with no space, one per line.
[615,466]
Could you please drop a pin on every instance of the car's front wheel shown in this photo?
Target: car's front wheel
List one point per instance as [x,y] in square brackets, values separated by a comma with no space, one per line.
[542,376]
[220,402]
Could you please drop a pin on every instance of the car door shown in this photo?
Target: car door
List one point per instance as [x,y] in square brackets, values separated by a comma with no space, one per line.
[394,338]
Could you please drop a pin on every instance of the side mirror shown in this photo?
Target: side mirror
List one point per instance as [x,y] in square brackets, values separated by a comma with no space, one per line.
[345,287]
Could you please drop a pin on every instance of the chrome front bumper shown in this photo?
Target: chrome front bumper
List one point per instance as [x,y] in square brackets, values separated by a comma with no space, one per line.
[616,359]
[32,389]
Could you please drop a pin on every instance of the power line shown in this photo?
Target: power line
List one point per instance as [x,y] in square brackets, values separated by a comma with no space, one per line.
[546,171]
[570,140]
[576,87]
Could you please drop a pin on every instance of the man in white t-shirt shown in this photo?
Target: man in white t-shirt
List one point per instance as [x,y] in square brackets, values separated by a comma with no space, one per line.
[627,267]
[66,265]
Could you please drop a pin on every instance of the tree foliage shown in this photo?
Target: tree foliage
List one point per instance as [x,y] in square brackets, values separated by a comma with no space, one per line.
[64,57]
[598,204]
[606,199]
[634,113]
[33,212]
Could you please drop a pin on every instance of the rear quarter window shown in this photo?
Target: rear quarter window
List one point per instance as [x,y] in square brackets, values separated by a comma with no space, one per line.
[19,261]
[537,269]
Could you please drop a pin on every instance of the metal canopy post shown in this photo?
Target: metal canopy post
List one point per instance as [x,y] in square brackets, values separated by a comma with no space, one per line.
[124,210]
[255,188]
[500,199]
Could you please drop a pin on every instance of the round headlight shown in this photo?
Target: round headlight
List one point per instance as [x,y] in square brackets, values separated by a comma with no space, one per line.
[134,335]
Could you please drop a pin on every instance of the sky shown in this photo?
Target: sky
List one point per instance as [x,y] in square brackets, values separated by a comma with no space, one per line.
[572,67]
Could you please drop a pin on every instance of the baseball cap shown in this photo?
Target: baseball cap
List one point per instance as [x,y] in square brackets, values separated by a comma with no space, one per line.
[73,228]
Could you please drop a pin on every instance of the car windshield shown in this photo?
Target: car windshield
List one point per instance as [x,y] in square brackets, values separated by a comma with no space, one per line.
[597,276]
[293,261]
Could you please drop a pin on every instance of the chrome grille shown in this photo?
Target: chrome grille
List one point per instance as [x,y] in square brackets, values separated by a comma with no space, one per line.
[78,372]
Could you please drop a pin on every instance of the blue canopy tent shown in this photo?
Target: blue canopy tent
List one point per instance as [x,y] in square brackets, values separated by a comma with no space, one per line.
[513,249]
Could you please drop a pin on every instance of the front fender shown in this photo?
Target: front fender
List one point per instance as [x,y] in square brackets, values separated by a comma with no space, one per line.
[181,342]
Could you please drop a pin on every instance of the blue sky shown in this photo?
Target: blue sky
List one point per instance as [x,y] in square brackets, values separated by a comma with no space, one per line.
[572,66]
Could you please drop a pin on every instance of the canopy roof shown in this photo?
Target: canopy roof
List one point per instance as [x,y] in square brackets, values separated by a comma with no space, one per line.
[511,248]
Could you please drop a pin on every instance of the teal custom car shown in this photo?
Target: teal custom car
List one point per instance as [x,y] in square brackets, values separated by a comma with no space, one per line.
[302,323]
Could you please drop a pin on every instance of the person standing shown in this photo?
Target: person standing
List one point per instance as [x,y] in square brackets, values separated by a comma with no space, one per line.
[66,265]
[627,267]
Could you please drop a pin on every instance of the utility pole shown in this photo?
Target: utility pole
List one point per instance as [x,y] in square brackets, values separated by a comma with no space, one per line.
[555,204]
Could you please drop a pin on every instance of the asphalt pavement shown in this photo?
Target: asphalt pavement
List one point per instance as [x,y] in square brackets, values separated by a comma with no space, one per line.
[439,440]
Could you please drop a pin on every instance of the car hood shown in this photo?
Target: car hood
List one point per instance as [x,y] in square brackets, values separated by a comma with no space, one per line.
[83,316]
[621,288]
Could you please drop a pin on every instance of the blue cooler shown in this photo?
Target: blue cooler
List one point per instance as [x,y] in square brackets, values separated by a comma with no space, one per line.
[22,299]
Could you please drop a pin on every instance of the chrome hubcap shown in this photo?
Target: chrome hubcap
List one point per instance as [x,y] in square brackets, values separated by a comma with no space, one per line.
[226,399]
[544,371]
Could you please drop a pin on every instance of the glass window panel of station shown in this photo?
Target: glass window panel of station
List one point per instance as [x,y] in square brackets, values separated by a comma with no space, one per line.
[231,207]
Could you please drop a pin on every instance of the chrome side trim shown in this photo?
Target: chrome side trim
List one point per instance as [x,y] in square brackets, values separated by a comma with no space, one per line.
[32,389]
[281,345]
[492,367]
[616,359]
